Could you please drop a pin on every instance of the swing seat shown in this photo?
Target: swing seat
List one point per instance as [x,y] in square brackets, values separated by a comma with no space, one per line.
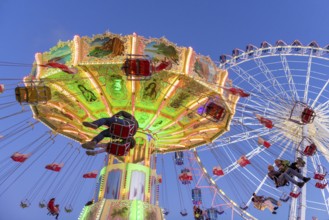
[215,112]
[294,194]
[183,212]
[33,94]
[118,149]
[90,175]
[18,157]
[310,150]
[42,204]
[25,204]
[159,179]
[54,167]
[243,161]
[308,115]
[68,209]
[123,131]
[2,88]
[165,211]
[137,67]
[321,185]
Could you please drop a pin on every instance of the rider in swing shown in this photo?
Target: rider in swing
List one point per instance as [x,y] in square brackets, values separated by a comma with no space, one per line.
[121,118]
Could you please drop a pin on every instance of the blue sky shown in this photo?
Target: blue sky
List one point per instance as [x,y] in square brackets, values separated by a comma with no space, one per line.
[210,27]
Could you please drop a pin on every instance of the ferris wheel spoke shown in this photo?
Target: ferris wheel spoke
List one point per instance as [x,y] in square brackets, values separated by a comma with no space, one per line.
[248,135]
[289,77]
[320,93]
[308,75]
[251,80]
[268,74]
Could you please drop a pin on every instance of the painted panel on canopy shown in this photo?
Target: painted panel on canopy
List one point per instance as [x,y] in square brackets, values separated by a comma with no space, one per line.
[162,50]
[151,93]
[205,70]
[103,47]
[188,91]
[160,122]
[61,53]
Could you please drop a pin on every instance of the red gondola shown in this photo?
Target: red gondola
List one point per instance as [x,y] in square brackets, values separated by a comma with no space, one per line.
[307,115]
[310,150]
[321,173]
[159,179]
[302,114]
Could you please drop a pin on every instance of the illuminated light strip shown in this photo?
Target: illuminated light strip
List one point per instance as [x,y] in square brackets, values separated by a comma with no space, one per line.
[63,110]
[188,60]
[172,89]
[133,43]
[133,84]
[38,60]
[209,129]
[75,132]
[133,96]
[222,83]
[77,52]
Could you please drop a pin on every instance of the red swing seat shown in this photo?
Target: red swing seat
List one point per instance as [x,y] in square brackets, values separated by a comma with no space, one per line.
[123,131]
[294,194]
[137,67]
[215,111]
[118,149]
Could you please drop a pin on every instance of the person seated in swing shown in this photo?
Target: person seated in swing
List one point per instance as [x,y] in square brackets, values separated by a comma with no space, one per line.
[281,179]
[261,202]
[106,147]
[298,164]
[52,208]
[122,119]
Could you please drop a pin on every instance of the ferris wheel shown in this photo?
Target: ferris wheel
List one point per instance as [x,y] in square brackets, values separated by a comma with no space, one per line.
[285,117]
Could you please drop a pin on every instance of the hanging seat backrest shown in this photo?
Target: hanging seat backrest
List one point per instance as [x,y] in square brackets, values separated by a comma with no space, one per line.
[118,149]
[215,111]
[123,131]
[33,94]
